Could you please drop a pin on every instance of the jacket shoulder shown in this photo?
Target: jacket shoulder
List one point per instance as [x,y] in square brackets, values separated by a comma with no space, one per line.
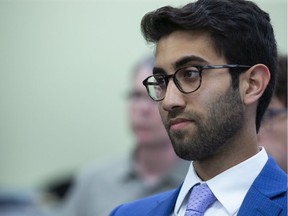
[268,193]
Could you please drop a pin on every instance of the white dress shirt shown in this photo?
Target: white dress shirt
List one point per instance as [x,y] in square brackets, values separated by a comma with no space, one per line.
[229,187]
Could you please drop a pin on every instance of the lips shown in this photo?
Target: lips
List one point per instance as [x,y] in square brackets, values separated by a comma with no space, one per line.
[178,123]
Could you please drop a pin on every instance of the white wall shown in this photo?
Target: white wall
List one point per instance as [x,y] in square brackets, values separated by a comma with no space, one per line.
[64,71]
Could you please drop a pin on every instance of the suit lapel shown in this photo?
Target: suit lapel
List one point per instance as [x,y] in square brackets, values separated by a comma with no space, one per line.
[259,201]
[256,204]
[270,183]
[165,206]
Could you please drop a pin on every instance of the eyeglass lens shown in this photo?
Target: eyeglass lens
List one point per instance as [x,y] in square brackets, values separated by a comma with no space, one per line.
[186,79]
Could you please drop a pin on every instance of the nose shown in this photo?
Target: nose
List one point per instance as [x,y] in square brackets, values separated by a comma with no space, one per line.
[173,98]
[144,105]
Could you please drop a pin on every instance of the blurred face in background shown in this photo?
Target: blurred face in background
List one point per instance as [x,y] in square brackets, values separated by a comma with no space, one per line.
[144,116]
[273,132]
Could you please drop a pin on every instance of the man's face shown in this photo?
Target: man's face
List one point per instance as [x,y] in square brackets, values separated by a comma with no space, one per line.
[201,123]
[273,133]
[144,115]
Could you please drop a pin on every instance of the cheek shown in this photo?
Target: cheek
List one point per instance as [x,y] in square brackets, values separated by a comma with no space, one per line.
[133,114]
[214,84]
[162,112]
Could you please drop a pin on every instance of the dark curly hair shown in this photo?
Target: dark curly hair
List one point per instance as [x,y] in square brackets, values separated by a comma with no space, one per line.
[239,29]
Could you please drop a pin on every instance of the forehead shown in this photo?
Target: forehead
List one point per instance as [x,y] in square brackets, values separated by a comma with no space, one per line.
[179,44]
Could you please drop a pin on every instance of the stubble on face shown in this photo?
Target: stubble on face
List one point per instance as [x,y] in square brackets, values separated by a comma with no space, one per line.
[212,131]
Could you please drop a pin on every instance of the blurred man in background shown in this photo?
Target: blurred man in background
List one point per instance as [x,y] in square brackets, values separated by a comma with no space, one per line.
[152,167]
[273,131]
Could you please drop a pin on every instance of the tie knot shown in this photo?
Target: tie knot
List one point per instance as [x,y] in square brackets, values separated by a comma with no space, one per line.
[200,198]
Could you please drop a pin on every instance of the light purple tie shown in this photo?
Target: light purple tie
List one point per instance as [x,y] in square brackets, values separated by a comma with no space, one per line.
[200,198]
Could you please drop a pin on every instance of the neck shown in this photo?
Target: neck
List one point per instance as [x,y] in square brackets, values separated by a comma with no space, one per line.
[237,150]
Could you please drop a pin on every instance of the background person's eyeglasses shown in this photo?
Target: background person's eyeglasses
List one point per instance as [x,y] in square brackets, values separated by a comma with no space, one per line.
[137,96]
[270,115]
[187,79]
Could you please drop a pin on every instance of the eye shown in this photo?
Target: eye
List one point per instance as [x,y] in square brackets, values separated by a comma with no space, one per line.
[188,74]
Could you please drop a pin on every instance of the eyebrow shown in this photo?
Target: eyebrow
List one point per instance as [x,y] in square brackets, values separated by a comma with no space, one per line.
[187,59]
[157,70]
[181,63]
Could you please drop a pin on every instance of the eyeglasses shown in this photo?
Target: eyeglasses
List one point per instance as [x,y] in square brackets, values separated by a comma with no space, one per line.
[137,96]
[270,115]
[187,80]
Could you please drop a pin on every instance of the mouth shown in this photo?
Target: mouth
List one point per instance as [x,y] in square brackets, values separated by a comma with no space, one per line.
[178,124]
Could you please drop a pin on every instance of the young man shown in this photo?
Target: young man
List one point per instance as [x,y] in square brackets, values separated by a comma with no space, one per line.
[214,76]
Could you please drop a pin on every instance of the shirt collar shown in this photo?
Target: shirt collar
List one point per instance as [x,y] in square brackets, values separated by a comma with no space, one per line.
[190,180]
[237,179]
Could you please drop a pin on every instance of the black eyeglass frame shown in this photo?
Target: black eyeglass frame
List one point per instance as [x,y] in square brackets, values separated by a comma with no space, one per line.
[176,82]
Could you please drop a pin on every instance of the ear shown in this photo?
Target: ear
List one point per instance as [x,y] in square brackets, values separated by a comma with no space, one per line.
[253,83]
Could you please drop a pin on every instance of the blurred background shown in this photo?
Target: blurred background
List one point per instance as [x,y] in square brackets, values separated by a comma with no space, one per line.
[64,71]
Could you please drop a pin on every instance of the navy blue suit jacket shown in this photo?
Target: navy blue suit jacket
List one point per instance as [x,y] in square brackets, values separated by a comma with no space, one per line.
[267,197]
